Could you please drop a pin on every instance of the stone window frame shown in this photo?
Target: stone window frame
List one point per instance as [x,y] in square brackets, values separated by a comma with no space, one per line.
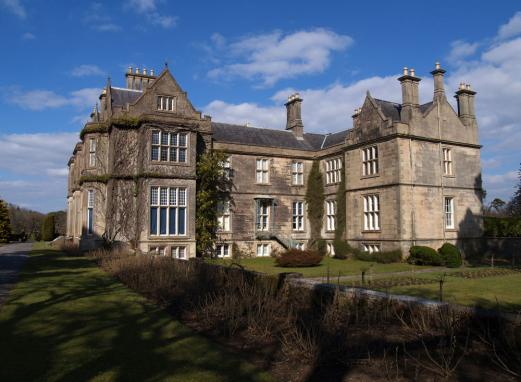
[297,174]
[171,103]
[160,250]
[262,220]
[370,213]
[333,170]
[91,195]
[370,161]
[177,250]
[93,146]
[297,217]
[266,250]
[223,250]
[331,210]
[371,247]
[447,161]
[168,204]
[168,146]
[223,213]
[262,171]
[446,212]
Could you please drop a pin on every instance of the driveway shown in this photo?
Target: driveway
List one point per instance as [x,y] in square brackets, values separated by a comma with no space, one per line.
[12,258]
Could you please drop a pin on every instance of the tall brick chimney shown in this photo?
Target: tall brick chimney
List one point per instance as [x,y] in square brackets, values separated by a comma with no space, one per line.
[466,111]
[294,121]
[410,95]
[137,80]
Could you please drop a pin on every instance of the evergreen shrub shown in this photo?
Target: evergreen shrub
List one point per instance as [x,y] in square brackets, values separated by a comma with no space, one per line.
[450,255]
[421,255]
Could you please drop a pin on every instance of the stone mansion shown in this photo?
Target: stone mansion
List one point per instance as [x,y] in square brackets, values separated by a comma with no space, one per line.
[412,172]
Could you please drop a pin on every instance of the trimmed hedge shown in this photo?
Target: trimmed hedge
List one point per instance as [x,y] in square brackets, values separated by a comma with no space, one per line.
[296,258]
[421,255]
[387,257]
[502,226]
[342,249]
[450,255]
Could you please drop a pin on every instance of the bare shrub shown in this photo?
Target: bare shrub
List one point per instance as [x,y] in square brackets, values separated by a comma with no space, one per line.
[301,343]
[504,345]
[70,248]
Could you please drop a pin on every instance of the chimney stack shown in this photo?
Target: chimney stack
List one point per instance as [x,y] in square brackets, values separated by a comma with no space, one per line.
[137,80]
[439,90]
[410,95]
[466,111]
[294,120]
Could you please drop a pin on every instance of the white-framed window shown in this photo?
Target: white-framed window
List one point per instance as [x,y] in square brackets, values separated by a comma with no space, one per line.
[158,251]
[227,168]
[449,212]
[90,211]
[371,247]
[333,170]
[263,249]
[223,210]
[166,103]
[92,152]
[262,171]
[300,246]
[330,215]
[168,211]
[263,214]
[169,147]
[371,212]
[178,252]
[330,249]
[447,161]
[297,173]
[298,216]
[370,161]
[223,250]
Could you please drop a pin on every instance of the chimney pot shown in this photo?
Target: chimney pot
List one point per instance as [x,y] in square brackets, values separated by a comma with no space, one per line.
[412,72]
[145,71]
[151,72]
[437,65]
[137,70]
[405,71]
[130,69]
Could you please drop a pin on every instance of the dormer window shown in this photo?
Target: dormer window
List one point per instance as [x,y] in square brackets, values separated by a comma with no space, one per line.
[166,103]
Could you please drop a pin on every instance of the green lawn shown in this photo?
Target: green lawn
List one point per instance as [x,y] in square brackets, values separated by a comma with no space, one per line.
[67,320]
[503,292]
[335,266]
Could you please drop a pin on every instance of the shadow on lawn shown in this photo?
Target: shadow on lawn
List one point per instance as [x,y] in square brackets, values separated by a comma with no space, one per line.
[78,324]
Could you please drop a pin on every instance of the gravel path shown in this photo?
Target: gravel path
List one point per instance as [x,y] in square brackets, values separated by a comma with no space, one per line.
[12,258]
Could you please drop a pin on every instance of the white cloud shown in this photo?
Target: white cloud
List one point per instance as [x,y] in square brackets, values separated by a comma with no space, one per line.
[97,18]
[34,154]
[511,28]
[500,185]
[39,99]
[28,36]
[15,7]
[87,70]
[153,16]
[461,50]
[274,56]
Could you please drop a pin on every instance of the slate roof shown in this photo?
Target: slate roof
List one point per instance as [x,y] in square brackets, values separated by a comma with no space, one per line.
[390,109]
[120,96]
[229,133]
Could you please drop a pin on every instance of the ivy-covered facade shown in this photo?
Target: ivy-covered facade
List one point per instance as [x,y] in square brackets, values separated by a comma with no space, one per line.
[402,174]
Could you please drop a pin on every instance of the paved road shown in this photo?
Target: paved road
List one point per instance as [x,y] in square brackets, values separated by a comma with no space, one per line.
[12,257]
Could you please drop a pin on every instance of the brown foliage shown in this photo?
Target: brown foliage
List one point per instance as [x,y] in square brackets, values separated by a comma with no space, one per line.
[297,258]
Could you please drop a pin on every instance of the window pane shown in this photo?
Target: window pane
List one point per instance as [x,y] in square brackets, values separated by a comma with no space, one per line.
[173,196]
[182,140]
[181,221]
[182,155]
[164,138]
[173,154]
[155,137]
[173,139]
[164,153]
[154,195]
[153,220]
[159,103]
[182,196]
[172,225]
[162,221]
[89,219]
[155,153]
[163,196]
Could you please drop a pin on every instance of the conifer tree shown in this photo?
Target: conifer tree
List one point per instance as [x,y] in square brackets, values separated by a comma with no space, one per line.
[48,228]
[341,247]
[5,224]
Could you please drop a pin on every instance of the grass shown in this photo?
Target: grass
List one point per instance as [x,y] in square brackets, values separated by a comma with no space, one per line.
[349,267]
[68,320]
[502,292]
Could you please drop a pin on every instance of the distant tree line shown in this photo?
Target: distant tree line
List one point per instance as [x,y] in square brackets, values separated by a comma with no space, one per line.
[20,224]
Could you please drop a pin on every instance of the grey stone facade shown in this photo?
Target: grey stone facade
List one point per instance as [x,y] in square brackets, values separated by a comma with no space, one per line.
[412,172]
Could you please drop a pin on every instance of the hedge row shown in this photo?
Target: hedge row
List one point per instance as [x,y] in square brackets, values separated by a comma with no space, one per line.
[448,255]
[502,226]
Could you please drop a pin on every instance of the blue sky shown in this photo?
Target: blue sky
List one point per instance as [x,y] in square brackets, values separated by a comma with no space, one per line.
[238,61]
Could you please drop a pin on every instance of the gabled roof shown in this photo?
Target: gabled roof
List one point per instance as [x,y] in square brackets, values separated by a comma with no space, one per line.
[121,96]
[389,109]
[229,133]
